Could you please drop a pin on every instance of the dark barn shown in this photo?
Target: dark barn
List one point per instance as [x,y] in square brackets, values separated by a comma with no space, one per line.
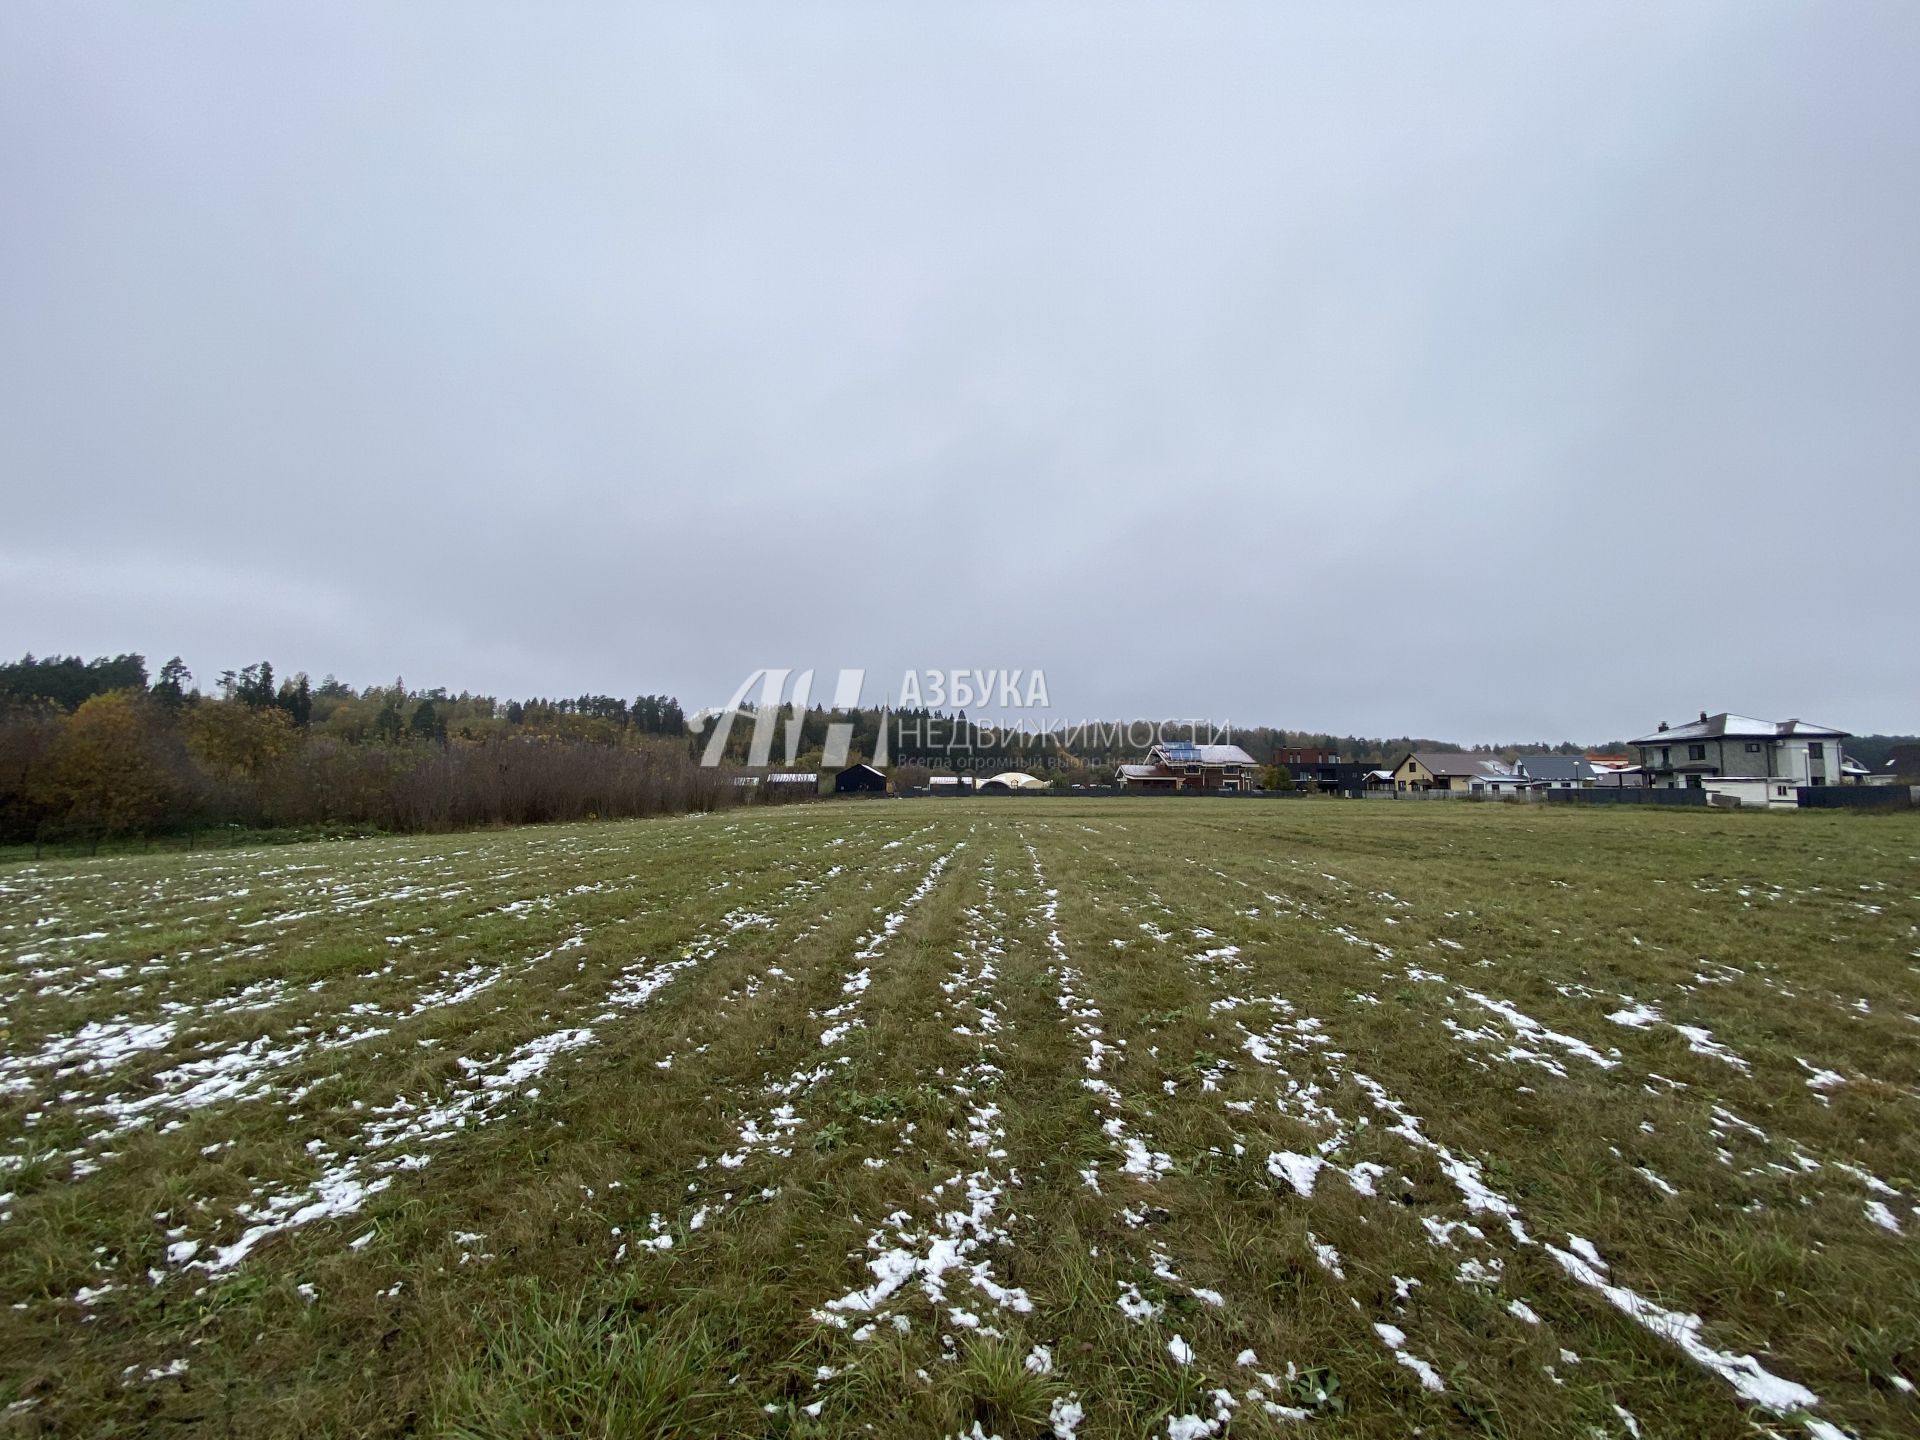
[860,780]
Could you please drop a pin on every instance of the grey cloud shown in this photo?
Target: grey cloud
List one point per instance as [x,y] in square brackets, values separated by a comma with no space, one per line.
[1520,371]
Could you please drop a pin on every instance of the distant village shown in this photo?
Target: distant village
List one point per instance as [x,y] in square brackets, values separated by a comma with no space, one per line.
[1725,760]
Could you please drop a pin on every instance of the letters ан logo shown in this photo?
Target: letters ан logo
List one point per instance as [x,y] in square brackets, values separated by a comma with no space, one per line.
[766,718]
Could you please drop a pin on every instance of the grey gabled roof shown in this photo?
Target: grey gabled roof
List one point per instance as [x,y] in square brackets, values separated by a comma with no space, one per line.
[1728,726]
[1183,752]
[1444,762]
[1554,767]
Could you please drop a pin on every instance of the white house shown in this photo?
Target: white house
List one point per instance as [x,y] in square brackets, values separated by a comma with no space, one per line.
[1557,772]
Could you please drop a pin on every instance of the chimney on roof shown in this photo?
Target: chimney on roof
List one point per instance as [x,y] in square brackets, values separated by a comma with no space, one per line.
[1703,717]
[1663,724]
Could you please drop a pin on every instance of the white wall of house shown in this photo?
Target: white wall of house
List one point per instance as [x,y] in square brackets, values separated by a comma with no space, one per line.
[1794,758]
[1770,793]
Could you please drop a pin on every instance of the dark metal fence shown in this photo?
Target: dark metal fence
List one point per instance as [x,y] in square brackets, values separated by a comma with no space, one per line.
[1624,795]
[1856,797]
[1078,792]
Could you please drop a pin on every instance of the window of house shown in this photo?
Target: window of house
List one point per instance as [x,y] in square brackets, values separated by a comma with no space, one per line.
[1193,769]
[1696,752]
[1815,750]
[1779,789]
[1666,753]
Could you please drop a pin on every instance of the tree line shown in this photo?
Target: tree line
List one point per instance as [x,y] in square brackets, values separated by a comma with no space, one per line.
[92,748]
[95,748]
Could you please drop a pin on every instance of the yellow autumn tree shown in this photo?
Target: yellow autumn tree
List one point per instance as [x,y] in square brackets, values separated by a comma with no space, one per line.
[235,740]
[101,772]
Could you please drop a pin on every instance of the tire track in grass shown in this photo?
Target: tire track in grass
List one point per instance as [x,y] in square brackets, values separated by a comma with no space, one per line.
[736,1175]
[751,1167]
[157,1016]
[480,1096]
[965,1228]
[1208,968]
[401,1137]
[770,1132]
[1481,1200]
[1485,1204]
[216,1073]
[1482,1203]
[1724,1122]
[1141,1165]
[1530,1042]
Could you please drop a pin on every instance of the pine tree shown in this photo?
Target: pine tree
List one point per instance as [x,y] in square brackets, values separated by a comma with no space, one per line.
[170,690]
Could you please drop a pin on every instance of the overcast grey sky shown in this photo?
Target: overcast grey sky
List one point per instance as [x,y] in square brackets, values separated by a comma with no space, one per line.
[1465,371]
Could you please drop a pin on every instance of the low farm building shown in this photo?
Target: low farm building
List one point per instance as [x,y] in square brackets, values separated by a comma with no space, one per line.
[861,780]
[1010,781]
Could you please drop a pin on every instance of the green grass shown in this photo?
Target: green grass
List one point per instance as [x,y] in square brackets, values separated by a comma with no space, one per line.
[542,1136]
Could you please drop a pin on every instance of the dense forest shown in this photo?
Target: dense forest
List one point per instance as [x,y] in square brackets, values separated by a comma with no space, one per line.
[95,748]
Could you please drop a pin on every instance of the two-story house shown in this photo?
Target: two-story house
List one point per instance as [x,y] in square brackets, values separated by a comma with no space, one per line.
[1759,761]
[1181,765]
[1338,777]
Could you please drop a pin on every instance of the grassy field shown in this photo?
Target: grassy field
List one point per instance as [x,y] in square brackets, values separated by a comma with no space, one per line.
[973,1118]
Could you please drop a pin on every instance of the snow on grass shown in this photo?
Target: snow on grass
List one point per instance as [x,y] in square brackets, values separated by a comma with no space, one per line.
[1203,1094]
[1299,1171]
[93,1049]
[1749,1378]
[1395,1339]
[400,1138]
[961,1242]
[1526,1025]
[770,1131]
